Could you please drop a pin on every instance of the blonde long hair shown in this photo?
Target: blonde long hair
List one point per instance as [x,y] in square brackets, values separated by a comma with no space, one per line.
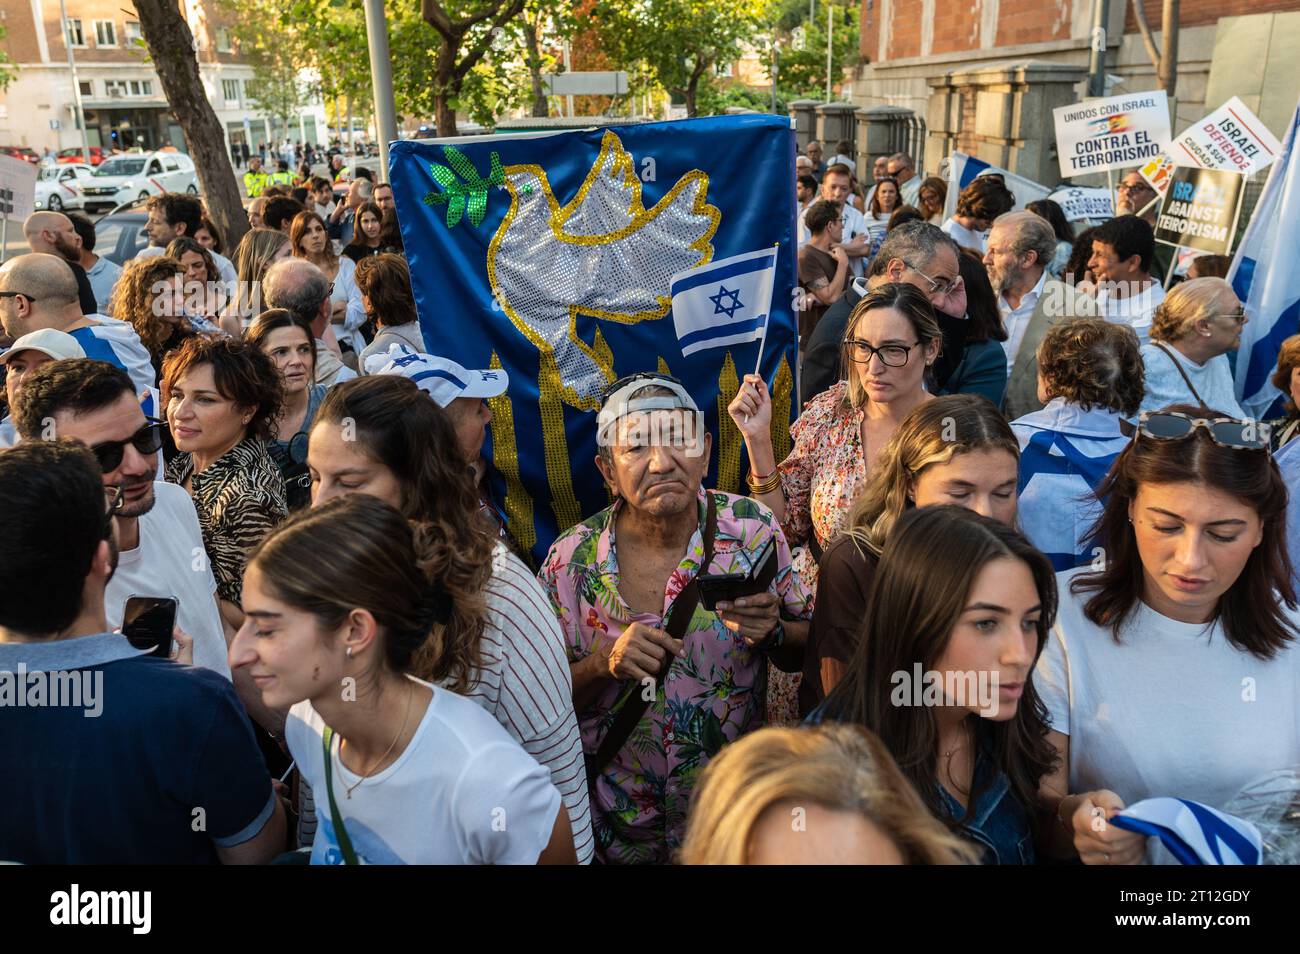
[841,767]
[908,301]
[934,433]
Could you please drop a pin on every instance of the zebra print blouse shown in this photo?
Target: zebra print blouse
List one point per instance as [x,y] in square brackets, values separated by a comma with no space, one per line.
[238,499]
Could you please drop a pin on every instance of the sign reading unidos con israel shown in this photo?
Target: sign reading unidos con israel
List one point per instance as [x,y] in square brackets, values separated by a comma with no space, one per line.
[1111,133]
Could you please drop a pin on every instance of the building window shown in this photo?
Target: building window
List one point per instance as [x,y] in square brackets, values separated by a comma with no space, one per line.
[105,33]
[230,90]
[114,88]
[132,31]
[223,40]
[87,87]
[75,36]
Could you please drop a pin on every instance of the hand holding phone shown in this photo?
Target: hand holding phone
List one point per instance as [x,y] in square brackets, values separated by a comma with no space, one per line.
[148,621]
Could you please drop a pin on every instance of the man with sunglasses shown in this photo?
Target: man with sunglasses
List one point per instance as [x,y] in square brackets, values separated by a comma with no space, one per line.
[40,291]
[161,547]
[26,355]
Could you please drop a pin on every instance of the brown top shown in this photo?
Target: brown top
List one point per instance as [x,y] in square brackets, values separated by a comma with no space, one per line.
[816,270]
[843,581]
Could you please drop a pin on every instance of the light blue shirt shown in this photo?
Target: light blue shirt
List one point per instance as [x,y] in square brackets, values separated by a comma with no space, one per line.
[1288,462]
[1165,386]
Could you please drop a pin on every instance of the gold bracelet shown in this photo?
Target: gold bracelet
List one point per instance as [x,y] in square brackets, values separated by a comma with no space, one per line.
[772,482]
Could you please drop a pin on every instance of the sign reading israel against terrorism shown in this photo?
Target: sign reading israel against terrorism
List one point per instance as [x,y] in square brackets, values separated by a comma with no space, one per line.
[571,259]
[1103,134]
[1200,209]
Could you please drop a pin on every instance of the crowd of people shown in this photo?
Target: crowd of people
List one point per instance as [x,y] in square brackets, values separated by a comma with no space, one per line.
[1024,483]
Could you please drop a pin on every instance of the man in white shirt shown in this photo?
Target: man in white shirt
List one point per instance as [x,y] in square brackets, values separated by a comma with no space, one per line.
[321,194]
[1020,247]
[101,273]
[857,240]
[175,214]
[1122,249]
[902,169]
[160,545]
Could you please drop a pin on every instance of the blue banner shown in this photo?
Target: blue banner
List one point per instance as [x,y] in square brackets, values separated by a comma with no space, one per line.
[551,255]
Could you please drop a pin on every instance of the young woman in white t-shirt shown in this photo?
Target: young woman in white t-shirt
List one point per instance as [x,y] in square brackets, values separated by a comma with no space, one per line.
[403,772]
[1172,670]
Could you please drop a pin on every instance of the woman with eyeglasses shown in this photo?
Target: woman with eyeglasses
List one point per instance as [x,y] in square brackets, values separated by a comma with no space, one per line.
[287,340]
[222,397]
[956,449]
[1172,669]
[890,341]
[1192,331]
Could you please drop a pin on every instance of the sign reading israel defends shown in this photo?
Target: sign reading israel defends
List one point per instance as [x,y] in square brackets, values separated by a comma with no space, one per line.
[1110,133]
[552,256]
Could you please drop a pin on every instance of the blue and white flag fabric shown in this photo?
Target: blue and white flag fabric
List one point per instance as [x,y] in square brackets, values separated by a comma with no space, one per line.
[725,302]
[551,255]
[1195,834]
[963,170]
[1263,275]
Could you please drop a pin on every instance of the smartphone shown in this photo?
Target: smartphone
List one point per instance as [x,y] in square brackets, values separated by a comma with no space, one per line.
[148,621]
[729,587]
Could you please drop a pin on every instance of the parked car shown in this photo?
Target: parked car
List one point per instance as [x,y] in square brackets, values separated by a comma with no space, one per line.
[21,152]
[120,235]
[59,187]
[74,154]
[121,179]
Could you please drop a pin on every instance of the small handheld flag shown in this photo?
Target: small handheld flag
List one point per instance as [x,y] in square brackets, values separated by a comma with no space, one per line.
[725,302]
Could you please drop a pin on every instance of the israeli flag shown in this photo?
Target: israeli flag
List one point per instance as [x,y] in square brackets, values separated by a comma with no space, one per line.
[725,302]
[1193,833]
[1263,277]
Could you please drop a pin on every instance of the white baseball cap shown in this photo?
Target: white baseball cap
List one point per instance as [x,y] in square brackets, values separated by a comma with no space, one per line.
[442,378]
[55,344]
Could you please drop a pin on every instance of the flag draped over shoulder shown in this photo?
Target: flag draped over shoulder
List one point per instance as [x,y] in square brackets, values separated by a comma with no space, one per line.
[1263,277]
[552,255]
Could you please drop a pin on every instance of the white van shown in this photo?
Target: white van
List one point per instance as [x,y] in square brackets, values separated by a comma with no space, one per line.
[131,176]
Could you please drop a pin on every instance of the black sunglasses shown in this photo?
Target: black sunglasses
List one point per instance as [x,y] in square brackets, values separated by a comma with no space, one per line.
[147,440]
[17,294]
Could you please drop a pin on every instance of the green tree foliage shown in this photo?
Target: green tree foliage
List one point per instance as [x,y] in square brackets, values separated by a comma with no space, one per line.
[6,66]
[802,66]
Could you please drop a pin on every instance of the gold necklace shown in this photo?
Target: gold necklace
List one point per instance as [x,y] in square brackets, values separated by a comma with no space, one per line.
[365,775]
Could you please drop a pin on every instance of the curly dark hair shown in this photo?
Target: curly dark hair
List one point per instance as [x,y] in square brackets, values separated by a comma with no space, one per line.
[1093,362]
[1288,359]
[133,299]
[242,373]
[986,198]
[401,427]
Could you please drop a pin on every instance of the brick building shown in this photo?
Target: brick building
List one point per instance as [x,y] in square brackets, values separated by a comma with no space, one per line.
[916,52]
[122,97]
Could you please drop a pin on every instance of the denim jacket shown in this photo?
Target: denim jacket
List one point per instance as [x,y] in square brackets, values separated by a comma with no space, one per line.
[998,823]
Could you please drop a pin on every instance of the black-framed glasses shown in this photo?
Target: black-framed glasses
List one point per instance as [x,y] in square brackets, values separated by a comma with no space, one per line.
[938,286]
[17,294]
[147,440]
[891,356]
[1224,431]
[1134,187]
[637,376]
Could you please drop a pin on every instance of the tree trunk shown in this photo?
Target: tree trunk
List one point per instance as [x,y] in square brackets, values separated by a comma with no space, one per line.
[446,86]
[541,108]
[171,47]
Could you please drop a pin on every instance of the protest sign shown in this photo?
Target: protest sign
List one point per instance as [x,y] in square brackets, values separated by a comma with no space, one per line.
[17,188]
[1157,172]
[1200,209]
[559,251]
[1103,134]
[1231,138]
[1096,205]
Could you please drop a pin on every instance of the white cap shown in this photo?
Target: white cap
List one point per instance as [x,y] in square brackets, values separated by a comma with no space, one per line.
[624,401]
[444,379]
[55,344]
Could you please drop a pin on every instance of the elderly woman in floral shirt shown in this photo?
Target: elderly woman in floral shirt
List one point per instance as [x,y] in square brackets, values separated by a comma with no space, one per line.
[892,339]
[614,580]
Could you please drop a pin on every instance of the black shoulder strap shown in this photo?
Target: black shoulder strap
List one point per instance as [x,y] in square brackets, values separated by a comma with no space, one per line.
[340,832]
[1178,364]
[634,702]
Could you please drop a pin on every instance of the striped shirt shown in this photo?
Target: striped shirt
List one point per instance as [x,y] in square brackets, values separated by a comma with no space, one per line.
[527,686]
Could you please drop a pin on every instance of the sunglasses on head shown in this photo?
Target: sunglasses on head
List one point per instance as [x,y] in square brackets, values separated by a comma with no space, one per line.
[1224,431]
[147,440]
[637,376]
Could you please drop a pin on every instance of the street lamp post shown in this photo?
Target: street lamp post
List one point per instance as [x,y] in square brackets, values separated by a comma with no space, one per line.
[76,86]
[381,72]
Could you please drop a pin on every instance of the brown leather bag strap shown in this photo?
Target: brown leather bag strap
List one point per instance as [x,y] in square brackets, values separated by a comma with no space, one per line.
[1177,364]
[679,618]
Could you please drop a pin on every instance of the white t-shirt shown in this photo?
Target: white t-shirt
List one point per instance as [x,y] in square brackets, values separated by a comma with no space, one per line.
[462,792]
[1135,309]
[171,561]
[1173,710]
[966,238]
[346,290]
[527,686]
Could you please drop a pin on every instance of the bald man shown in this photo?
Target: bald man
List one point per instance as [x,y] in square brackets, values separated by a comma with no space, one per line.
[52,233]
[40,291]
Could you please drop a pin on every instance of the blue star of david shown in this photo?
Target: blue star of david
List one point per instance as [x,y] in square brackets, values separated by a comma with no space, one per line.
[729,310]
